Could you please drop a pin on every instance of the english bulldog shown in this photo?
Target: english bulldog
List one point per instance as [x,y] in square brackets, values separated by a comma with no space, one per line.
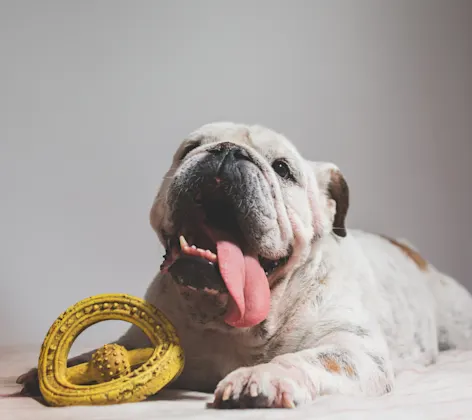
[275,300]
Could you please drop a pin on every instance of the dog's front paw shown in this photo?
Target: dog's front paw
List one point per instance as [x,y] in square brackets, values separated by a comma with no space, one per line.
[30,383]
[268,385]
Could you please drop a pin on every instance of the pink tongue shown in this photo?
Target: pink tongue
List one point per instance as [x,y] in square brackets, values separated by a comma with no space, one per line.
[246,283]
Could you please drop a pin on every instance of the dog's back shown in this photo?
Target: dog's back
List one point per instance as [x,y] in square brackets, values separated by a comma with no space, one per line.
[420,309]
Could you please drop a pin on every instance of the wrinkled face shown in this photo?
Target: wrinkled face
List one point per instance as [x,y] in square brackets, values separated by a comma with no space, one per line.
[238,209]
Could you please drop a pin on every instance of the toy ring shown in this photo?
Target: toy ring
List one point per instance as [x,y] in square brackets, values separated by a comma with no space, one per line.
[109,377]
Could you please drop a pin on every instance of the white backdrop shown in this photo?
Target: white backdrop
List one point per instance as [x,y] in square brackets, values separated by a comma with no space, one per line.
[96,95]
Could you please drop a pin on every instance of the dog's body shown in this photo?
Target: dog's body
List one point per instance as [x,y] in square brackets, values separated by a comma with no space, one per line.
[347,308]
[369,305]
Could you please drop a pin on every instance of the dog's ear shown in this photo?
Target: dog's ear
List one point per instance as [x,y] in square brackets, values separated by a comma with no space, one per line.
[332,183]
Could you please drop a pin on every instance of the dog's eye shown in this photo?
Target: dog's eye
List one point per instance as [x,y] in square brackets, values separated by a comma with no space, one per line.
[189,148]
[282,169]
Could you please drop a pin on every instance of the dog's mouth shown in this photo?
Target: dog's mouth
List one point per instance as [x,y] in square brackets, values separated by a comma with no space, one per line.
[209,255]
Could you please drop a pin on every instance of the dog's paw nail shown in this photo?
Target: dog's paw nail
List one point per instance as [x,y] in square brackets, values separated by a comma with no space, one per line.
[227,392]
[287,401]
[253,391]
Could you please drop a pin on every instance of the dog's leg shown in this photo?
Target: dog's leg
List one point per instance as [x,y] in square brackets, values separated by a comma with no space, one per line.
[341,363]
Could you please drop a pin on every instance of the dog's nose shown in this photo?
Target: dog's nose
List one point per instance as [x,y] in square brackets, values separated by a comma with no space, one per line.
[221,170]
[230,150]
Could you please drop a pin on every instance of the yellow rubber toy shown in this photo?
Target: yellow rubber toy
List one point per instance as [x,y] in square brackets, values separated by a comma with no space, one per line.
[109,377]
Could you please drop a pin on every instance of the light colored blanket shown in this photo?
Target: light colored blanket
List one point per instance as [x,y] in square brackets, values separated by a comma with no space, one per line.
[441,391]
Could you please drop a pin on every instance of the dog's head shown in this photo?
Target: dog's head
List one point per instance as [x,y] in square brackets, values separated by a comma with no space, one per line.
[240,208]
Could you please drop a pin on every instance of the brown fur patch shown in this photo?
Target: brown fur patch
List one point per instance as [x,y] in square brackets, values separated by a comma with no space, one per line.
[349,370]
[333,366]
[330,364]
[411,253]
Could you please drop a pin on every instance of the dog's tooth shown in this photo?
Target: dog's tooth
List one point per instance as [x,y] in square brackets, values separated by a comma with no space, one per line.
[227,392]
[212,292]
[183,242]
[253,391]
[193,247]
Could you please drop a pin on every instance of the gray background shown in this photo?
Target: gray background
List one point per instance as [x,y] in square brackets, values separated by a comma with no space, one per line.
[96,95]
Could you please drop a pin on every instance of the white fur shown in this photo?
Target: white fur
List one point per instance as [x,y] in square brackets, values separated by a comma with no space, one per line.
[346,312]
